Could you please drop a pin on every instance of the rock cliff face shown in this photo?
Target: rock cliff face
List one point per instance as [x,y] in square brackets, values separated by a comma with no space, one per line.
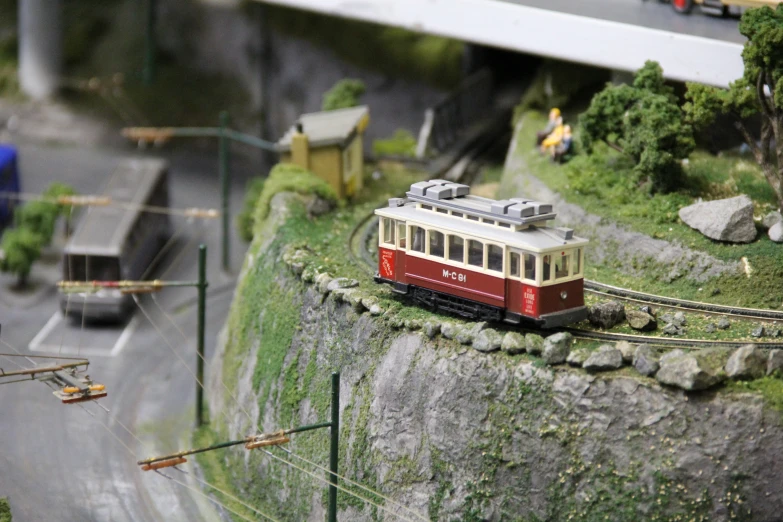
[456,434]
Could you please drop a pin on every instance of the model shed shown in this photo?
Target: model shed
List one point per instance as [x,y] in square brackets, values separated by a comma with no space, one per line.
[330,145]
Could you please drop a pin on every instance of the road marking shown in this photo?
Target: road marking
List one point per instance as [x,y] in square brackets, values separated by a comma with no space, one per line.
[126,335]
[46,330]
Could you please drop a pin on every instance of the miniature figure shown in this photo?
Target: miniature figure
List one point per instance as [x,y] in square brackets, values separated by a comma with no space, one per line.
[555,120]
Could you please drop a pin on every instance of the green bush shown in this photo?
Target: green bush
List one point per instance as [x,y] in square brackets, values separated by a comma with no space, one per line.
[343,94]
[5,510]
[21,248]
[402,143]
[286,177]
[38,217]
[244,222]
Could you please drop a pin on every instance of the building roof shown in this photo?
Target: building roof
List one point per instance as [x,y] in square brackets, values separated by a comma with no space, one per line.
[327,127]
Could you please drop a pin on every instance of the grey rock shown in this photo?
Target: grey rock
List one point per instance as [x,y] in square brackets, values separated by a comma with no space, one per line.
[694,371]
[431,329]
[341,282]
[606,314]
[648,310]
[758,332]
[488,340]
[679,319]
[369,301]
[466,334]
[534,344]
[308,275]
[605,358]
[710,328]
[412,324]
[747,362]
[578,357]
[723,220]
[776,233]
[672,354]
[772,219]
[449,330]
[773,332]
[557,347]
[322,282]
[513,343]
[775,362]
[376,309]
[395,321]
[672,329]
[319,206]
[641,321]
[356,298]
[627,349]
[343,294]
[723,324]
[646,360]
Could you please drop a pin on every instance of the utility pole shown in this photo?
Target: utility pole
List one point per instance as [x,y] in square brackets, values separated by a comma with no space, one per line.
[334,446]
[202,305]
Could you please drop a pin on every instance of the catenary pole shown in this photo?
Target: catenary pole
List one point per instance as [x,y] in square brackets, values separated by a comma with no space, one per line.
[334,447]
[202,298]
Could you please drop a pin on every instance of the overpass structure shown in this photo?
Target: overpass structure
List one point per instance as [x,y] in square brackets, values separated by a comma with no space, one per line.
[615,34]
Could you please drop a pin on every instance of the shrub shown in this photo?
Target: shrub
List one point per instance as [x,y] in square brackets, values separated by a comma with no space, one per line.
[343,94]
[286,177]
[402,143]
[244,222]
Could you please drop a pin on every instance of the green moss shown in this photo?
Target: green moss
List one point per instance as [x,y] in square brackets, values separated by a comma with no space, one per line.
[402,143]
[5,510]
[769,387]
[244,220]
[285,177]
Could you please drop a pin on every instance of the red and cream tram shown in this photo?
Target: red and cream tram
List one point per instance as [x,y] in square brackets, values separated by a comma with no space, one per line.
[481,258]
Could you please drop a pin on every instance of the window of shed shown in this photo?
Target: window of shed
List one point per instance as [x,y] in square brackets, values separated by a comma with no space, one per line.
[437,244]
[475,253]
[495,258]
[417,233]
[388,231]
[456,249]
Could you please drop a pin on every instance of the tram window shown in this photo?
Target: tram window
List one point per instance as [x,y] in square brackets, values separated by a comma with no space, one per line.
[475,253]
[547,267]
[426,207]
[417,233]
[437,243]
[473,218]
[495,258]
[577,260]
[401,235]
[456,249]
[561,266]
[457,214]
[505,225]
[513,264]
[388,231]
[530,267]
[488,221]
[442,210]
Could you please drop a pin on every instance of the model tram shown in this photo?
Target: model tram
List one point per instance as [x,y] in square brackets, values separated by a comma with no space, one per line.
[481,258]
[118,242]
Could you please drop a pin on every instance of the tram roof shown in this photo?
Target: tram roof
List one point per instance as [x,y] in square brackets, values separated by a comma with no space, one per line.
[102,231]
[533,238]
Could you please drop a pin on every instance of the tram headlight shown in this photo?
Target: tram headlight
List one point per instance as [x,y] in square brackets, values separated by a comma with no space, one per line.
[563,295]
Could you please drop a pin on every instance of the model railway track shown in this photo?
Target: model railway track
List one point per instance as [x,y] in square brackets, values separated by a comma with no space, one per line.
[597,288]
[665,341]
[359,241]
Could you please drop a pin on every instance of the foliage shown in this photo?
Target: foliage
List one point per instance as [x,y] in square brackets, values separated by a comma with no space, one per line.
[343,94]
[21,247]
[292,178]
[759,91]
[643,121]
[402,143]
[244,220]
[5,510]
[37,217]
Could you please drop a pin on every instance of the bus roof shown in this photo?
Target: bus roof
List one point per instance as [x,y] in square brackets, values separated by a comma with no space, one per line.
[7,154]
[104,230]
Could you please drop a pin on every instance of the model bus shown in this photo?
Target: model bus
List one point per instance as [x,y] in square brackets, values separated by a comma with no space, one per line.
[116,242]
[481,258]
[9,184]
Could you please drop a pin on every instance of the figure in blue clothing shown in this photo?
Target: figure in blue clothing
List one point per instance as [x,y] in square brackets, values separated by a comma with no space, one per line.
[9,183]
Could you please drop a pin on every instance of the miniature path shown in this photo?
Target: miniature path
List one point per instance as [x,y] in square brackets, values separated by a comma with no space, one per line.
[617,245]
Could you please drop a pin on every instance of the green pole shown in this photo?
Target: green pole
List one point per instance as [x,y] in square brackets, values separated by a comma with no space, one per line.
[224,184]
[333,450]
[150,45]
[202,303]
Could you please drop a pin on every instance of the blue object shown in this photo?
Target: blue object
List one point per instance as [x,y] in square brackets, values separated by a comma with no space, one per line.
[9,183]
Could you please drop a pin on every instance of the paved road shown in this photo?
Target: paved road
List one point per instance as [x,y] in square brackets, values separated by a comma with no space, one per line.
[650,13]
[57,462]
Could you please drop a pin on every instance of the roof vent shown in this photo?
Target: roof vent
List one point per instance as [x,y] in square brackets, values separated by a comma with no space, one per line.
[396,202]
[565,233]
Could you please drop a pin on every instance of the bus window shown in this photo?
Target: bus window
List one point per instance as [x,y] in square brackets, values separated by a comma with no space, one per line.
[547,267]
[417,233]
[102,268]
[530,267]
[388,231]
[456,249]
[437,245]
[475,253]
[495,258]
[561,265]
[401,235]
[513,259]
[577,261]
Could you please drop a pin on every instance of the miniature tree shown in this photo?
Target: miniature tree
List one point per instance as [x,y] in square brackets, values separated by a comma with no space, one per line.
[54,191]
[20,247]
[644,121]
[38,217]
[759,91]
[343,94]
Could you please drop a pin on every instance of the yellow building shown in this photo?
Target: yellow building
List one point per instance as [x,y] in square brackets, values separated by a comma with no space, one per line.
[329,144]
